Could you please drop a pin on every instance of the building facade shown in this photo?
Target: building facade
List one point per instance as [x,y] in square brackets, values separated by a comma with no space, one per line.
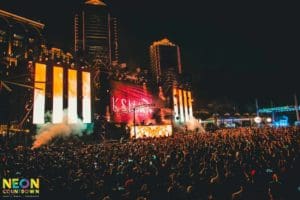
[95,33]
[165,59]
[175,86]
[21,41]
[20,38]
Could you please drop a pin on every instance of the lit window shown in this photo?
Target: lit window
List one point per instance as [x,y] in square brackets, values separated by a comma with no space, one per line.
[17,43]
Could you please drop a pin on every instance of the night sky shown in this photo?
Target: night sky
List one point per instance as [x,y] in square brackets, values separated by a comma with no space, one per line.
[236,51]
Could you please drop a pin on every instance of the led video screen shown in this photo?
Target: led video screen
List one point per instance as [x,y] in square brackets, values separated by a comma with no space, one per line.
[86,101]
[58,97]
[58,79]
[72,96]
[183,107]
[151,131]
[129,102]
[39,94]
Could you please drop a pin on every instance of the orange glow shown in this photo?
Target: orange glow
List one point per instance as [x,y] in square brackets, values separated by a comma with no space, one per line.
[57,116]
[21,19]
[72,96]
[186,114]
[151,131]
[40,73]
[39,94]
[190,104]
[58,81]
[164,42]
[161,94]
[95,2]
[72,83]
[181,106]
[175,102]
[86,94]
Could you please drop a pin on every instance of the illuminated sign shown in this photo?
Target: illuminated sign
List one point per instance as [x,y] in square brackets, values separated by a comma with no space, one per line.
[151,131]
[130,102]
[20,187]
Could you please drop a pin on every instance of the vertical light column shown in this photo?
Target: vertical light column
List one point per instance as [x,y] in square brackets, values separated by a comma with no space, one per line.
[175,102]
[39,94]
[57,115]
[181,106]
[86,97]
[190,105]
[72,96]
[186,114]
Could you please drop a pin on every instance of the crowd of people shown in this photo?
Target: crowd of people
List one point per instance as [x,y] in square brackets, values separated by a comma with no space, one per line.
[241,163]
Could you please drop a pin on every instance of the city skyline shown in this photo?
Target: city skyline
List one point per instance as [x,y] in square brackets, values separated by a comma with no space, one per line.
[250,51]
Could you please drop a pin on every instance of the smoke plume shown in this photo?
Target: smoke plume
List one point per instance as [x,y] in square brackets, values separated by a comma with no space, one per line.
[47,132]
[193,125]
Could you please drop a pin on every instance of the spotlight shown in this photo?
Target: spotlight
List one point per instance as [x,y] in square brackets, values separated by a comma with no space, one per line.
[257,120]
[269,119]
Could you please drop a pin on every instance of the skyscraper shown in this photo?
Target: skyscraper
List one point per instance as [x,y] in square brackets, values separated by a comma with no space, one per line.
[164,58]
[95,33]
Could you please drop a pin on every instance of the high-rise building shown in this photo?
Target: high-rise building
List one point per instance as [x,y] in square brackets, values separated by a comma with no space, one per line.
[95,33]
[164,57]
[21,41]
[20,38]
